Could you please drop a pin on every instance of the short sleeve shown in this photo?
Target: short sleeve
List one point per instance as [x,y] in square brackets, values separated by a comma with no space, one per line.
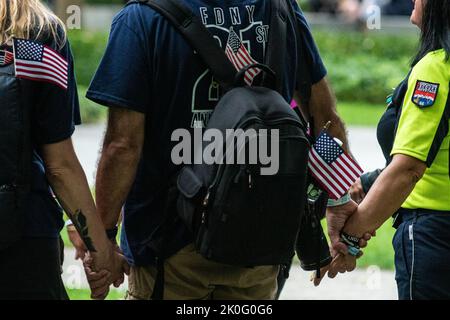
[318,70]
[424,119]
[57,110]
[123,77]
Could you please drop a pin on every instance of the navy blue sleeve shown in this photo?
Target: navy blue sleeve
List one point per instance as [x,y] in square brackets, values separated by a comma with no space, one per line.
[123,78]
[57,111]
[318,70]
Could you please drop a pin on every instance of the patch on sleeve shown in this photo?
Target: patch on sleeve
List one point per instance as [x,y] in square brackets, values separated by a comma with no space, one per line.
[425,94]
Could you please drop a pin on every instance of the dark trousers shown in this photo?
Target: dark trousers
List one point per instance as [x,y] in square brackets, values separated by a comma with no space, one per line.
[422,255]
[31,270]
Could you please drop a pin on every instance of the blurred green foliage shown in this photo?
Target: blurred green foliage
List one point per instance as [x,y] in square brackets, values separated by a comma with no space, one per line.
[365,67]
[87,48]
[85,294]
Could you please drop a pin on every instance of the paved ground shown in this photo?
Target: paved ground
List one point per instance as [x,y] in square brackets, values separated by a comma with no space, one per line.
[368,283]
[361,284]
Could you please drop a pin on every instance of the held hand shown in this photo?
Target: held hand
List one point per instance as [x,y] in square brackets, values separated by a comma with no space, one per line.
[120,269]
[75,239]
[99,282]
[357,192]
[121,262]
[336,219]
[340,264]
[112,269]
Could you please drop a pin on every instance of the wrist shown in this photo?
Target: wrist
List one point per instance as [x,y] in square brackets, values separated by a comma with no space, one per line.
[68,223]
[352,243]
[339,202]
[352,229]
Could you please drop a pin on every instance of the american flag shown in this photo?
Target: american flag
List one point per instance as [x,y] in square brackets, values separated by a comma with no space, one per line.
[331,167]
[240,57]
[40,63]
[6,57]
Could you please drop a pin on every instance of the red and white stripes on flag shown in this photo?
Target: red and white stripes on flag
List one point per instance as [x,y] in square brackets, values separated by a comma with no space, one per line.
[6,57]
[333,169]
[240,57]
[37,62]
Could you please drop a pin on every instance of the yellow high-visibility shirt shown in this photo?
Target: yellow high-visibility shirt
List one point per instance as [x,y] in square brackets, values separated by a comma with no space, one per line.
[423,131]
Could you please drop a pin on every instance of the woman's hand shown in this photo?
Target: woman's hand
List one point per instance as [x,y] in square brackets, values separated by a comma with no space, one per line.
[356,191]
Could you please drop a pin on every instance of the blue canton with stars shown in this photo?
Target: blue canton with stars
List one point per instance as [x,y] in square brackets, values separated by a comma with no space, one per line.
[328,149]
[27,50]
[234,42]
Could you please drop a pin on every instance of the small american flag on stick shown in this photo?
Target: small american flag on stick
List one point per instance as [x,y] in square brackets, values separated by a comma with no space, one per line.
[6,57]
[333,169]
[240,57]
[40,63]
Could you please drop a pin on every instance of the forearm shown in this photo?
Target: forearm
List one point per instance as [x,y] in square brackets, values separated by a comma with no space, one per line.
[115,176]
[322,109]
[386,196]
[70,186]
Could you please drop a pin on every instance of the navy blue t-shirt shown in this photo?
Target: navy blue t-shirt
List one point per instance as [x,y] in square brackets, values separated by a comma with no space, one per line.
[55,113]
[148,67]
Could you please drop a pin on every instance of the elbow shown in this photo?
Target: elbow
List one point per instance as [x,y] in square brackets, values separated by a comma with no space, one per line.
[413,168]
[416,170]
[416,173]
[122,148]
[56,172]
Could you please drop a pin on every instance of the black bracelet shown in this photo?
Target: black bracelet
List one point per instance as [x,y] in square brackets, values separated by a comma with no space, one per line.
[350,240]
[112,233]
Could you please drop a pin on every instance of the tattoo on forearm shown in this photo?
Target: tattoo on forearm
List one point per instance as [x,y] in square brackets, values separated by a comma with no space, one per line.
[80,223]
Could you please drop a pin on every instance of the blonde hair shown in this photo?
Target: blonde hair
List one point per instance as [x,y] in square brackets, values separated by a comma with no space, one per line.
[29,19]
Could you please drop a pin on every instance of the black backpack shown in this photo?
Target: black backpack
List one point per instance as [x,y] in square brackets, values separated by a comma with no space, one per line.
[15,155]
[237,215]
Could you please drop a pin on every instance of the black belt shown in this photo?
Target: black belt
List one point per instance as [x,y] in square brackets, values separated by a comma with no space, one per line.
[408,214]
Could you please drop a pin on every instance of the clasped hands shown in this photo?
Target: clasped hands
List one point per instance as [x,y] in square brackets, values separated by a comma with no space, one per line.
[105,267]
[337,220]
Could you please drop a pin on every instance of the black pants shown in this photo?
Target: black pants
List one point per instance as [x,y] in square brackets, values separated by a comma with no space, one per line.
[422,255]
[31,270]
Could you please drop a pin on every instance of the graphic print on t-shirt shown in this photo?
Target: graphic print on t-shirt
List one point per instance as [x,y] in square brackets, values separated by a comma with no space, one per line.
[248,47]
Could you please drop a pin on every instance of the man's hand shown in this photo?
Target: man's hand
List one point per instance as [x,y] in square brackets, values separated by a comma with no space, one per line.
[75,239]
[336,219]
[340,264]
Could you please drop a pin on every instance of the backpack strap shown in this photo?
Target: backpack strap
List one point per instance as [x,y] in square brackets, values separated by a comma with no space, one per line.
[276,57]
[304,82]
[198,36]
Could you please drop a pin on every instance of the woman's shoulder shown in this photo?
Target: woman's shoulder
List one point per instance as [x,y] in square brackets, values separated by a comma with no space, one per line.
[433,68]
[435,65]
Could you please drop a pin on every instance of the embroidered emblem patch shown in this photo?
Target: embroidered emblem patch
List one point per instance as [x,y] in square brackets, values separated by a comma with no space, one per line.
[425,94]
[6,58]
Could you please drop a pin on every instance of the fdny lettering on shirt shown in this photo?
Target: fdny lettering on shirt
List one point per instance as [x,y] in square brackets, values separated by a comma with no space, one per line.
[251,32]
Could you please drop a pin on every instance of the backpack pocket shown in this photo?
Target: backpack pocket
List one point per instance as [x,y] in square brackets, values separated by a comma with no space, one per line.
[188,202]
[257,218]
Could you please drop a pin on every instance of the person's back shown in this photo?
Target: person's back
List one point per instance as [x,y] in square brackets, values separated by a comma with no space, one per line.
[151,70]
